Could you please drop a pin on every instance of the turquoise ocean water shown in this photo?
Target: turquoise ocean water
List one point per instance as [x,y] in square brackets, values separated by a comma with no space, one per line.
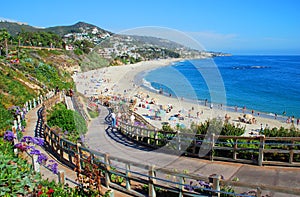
[268,84]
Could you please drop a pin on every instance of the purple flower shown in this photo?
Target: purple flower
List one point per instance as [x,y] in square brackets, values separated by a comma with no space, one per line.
[18,112]
[27,139]
[201,183]
[38,141]
[189,187]
[30,147]
[9,136]
[66,132]
[53,167]
[35,152]
[42,158]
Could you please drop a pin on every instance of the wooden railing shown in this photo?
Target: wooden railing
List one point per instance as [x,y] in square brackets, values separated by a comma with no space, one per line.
[134,174]
[253,150]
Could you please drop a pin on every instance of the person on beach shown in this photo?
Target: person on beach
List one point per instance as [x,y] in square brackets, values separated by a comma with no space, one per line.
[235,108]
[292,119]
[119,116]
[298,121]
[211,106]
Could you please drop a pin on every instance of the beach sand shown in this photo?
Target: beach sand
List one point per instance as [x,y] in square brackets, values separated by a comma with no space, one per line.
[126,81]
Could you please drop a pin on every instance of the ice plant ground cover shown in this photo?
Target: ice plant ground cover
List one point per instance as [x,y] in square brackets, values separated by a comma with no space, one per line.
[18,178]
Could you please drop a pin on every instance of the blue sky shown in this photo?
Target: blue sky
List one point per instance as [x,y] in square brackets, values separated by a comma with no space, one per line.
[234,26]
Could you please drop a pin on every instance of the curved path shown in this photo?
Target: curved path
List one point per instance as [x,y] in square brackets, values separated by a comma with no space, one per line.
[101,137]
[34,129]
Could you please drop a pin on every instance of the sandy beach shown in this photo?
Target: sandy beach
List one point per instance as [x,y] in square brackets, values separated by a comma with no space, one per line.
[126,81]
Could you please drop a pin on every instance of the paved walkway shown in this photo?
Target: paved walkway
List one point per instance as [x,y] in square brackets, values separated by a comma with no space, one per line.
[101,137]
[33,130]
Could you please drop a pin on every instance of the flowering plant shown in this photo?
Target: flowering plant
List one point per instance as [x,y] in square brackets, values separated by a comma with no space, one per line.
[27,143]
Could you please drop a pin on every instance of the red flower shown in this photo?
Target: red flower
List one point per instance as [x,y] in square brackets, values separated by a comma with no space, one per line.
[39,193]
[50,191]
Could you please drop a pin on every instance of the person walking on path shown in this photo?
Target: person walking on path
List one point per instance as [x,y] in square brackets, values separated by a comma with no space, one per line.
[113,120]
[132,118]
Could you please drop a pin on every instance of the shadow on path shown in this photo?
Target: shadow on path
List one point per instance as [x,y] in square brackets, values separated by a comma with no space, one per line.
[118,137]
[115,135]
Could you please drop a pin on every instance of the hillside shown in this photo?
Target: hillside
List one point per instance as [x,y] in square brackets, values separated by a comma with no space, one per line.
[111,46]
[15,28]
[36,72]
[79,27]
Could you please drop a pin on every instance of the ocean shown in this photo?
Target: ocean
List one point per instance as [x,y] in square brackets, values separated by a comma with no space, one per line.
[266,84]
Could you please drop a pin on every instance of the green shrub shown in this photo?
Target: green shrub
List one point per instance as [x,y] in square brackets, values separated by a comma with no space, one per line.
[67,120]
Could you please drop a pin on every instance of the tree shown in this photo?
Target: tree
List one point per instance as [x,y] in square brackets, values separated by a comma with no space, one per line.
[4,36]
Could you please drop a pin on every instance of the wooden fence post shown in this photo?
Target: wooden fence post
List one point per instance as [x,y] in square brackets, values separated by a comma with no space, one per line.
[15,140]
[136,133]
[291,152]
[128,174]
[61,177]
[61,149]
[26,105]
[79,155]
[36,165]
[148,137]
[155,137]
[107,169]
[261,150]
[235,146]
[181,181]
[216,185]
[151,183]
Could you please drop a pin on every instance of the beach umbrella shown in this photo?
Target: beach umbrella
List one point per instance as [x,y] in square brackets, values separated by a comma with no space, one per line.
[161,113]
[173,118]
